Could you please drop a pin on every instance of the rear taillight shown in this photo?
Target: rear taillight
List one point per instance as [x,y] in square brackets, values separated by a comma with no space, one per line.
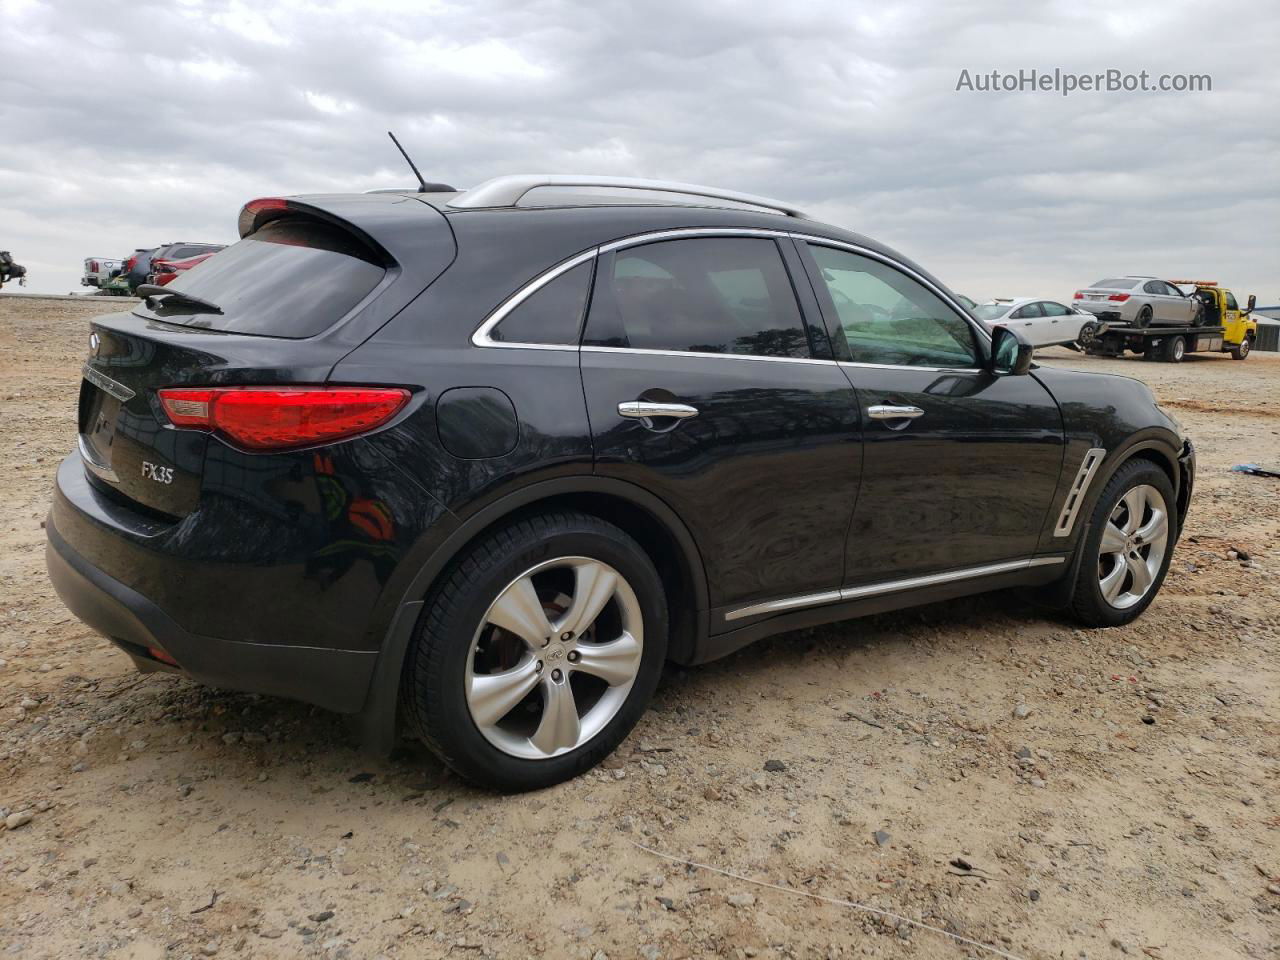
[280,418]
[1079,295]
[1119,297]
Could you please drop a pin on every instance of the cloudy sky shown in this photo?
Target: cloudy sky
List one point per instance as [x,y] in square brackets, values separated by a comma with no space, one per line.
[135,123]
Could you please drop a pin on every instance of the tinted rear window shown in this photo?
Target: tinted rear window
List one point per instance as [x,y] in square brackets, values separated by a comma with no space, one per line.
[292,278]
[989,311]
[1120,284]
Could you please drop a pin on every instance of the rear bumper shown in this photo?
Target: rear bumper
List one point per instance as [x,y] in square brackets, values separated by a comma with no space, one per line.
[334,679]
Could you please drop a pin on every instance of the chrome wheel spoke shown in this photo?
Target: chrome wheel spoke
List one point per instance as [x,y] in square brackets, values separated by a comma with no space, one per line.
[1113,581]
[520,611]
[1136,503]
[492,696]
[594,585]
[560,727]
[1141,575]
[614,662]
[1156,528]
[1113,539]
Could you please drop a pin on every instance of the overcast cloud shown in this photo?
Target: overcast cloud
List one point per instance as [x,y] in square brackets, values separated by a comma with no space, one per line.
[131,124]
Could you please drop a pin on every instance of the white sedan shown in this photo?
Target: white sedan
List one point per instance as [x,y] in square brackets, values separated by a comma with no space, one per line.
[1043,322]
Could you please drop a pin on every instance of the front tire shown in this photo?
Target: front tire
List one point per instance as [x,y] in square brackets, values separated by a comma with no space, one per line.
[1241,350]
[538,651]
[1127,546]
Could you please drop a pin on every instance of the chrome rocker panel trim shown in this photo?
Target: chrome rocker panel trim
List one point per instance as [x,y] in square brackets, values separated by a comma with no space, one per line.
[889,586]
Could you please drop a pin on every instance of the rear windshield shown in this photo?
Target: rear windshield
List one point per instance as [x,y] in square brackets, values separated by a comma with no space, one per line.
[1120,284]
[989,311]
[292,278]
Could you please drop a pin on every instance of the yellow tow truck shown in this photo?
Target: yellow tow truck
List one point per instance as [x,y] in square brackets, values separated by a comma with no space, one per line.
[1221,327]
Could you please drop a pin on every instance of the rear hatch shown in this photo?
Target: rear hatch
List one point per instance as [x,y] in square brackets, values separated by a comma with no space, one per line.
[281,307]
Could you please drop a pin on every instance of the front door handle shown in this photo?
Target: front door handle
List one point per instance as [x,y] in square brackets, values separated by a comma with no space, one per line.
[889,412]
[644,410]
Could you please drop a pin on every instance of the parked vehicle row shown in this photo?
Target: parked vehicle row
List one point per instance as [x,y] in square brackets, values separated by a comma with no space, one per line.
[156,265]
[483,460]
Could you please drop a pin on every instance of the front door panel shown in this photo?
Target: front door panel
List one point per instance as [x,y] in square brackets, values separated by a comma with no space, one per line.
[964,484]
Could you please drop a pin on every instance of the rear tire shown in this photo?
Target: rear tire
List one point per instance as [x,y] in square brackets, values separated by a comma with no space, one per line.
[1173,349]
[1105,595]
[1143,319]
[595,593]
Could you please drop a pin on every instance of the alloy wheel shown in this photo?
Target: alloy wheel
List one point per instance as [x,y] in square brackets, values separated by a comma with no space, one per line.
[1133,546]
[554,657]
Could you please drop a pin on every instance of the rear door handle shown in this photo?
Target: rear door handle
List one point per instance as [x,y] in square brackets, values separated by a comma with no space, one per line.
[644,410]
[889,412]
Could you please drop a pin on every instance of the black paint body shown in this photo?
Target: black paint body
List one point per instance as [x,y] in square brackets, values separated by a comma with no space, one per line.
[302,573]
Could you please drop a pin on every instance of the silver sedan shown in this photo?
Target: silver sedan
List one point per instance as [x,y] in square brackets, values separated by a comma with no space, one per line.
[1139,302]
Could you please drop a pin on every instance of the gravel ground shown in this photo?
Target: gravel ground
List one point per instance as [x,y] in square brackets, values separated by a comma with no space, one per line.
[975,766]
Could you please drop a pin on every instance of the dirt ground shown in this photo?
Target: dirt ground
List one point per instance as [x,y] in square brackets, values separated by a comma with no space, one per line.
[1134,810]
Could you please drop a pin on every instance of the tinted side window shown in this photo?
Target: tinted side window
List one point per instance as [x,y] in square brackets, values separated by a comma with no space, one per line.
[552,313]
[1026,311]
[703,294]
[1231,301]
[1154,286]
[1052,309]
[886,317]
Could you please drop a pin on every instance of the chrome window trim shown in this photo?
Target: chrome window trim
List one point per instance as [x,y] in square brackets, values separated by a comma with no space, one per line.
[1083,479]
[888,586]
[481,338]
[645,351]
[907,366]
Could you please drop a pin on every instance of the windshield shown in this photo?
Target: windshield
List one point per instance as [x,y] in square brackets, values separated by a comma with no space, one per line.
[1117,284]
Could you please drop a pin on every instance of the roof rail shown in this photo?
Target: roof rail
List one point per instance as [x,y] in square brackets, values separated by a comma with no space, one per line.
[508,191]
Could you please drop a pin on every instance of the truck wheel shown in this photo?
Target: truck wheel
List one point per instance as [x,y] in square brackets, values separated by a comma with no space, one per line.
[1173,349]
[1241,351]
[1144,318]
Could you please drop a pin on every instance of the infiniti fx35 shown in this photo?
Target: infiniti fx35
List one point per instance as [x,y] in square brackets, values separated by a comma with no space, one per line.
[473,465]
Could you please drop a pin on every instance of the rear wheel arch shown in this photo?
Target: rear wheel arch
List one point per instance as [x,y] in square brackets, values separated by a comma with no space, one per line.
[646,518]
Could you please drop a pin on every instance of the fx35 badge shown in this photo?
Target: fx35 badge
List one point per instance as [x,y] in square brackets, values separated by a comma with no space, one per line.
[159,474]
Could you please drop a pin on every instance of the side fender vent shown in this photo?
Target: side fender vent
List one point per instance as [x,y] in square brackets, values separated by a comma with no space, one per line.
[1079,487]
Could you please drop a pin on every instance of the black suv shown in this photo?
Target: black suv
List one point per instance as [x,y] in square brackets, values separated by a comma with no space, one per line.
[483,460]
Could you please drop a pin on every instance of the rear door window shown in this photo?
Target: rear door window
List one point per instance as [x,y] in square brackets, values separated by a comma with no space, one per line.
[293,278]
[729,295]
[1026,311]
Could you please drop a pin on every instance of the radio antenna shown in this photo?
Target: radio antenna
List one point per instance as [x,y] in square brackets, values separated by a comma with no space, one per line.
[422,184]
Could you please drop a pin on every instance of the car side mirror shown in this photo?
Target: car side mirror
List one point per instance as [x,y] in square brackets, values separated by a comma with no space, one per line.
[1253,302]
[1010,353]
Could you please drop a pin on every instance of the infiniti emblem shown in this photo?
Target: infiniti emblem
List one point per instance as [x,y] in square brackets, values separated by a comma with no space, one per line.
[95,343]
